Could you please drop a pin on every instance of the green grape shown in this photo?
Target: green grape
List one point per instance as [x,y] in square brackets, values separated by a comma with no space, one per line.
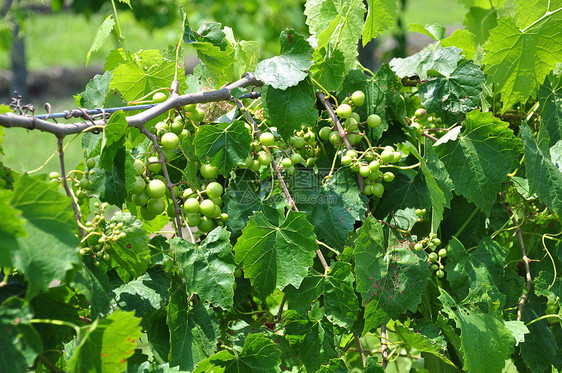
[442,253]
[378,189]
[324,133]
[358,98]
[418,246]
[344,111]
[346,160]
[432,257]
[388,176]
[296,158]
[439,273]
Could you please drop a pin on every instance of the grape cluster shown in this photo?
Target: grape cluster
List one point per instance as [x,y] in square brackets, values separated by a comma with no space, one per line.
[99,235]
[204,213]
[436,255]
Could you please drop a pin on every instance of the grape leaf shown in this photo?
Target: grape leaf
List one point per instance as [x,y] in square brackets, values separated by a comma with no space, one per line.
[528,11]
[475,269]
[390,281]
[334,366]
[485,341]
[275,256]
[420,342]
[290,108]
[130,252]
[223,145]
[259,355]
[463,39]
[437,180]
[340,303]
[455,94]
[313,340]
[106,344]
[336,25]
[146,367]
[20,342]
[550,99]
[334,207]
[142,74]
[49,250]
[328,70]
[93,283]
[399,202]
[289,68]
[144,294]
[243,197]
[435,31]
[12,226]
[193,331]
[95,92]
[540,347]
[479,21]
[545,179]
[381,15]
[481,157]
[217,62]
[517,61]
[102,34]
[444,61]
[208,267]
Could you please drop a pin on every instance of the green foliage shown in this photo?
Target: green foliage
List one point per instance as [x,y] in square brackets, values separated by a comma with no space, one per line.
[327,245]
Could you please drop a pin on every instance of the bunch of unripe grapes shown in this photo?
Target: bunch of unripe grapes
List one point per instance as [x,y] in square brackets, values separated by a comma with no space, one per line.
[171,132]
[351,121]
[99,235]
[436,255]
[204,213]
[83,185]
[149,195]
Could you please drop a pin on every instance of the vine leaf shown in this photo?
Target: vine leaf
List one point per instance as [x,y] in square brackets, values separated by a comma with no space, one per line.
[336,25]
[328,70]
[437,181]
[481,157]
[20,342]
[208,267]
[390,281]
[313,339]
[334,366]
[545,178]
[462,39]
[106,344]
[193,330]
[289,68]
[131,251]
[223,145]
[550,99]
[94,284]
[435,31]
[475,269]
[289,109]
[518,60]
[276,256]
[486,343]
[334,207]
[455,94]
[443,61]
[479,21]
[102,34]
[95,93]
[258,355]
[340,303]
[146,72]
[381,15]
[143,295]
[420,342]
[49,250]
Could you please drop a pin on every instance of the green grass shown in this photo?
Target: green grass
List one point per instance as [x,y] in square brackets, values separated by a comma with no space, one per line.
[25,150]
[63,39]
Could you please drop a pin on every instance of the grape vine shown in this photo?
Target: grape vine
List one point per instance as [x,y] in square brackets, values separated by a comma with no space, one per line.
[298,213]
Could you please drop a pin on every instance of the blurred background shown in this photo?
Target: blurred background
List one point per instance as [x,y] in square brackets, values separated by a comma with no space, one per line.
[44,44]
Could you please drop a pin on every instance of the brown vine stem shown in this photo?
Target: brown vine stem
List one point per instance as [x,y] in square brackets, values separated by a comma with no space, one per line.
[280,312]
[137,120]
[384,346]
[360,348]
[77,215]
[428,136]
[286,192]
[340,130]
[528,278]
[169,184]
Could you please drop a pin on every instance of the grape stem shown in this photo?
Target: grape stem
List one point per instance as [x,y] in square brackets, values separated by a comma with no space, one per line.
[169,184]
[528,278]
[77,215]
[361,350]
